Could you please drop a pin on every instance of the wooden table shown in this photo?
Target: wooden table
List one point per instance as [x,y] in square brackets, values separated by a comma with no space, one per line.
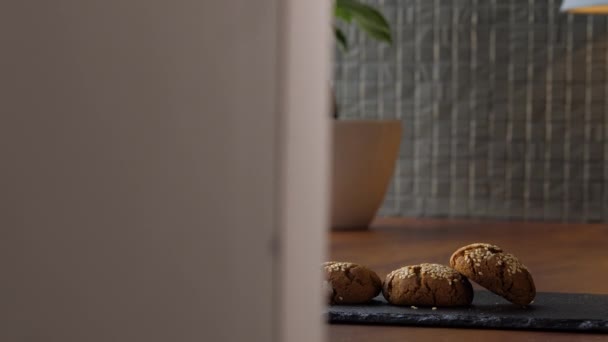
[561,257]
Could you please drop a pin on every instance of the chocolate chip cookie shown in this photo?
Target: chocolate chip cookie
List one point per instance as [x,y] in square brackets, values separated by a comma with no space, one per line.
[427,285]
[349,283]
[497,271]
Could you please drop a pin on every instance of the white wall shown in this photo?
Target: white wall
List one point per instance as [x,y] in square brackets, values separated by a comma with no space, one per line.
[141,147]
[306,46]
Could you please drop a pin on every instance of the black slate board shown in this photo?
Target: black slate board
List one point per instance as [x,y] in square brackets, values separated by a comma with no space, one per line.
[549,311]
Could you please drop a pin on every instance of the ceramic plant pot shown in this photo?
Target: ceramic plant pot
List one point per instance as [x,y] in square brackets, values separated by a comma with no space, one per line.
[364,157]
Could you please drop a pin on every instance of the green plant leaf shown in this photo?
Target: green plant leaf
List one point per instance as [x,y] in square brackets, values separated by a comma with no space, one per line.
[376,33]
[341,38]
[343,13]
[366,17]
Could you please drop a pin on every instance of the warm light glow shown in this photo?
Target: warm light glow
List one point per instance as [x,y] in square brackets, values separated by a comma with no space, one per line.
[601,9]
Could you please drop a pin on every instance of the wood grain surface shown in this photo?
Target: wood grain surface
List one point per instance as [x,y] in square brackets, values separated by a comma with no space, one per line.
[562,258]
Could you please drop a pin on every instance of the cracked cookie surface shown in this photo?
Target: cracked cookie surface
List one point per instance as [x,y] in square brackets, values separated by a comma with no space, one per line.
[349,283]
[500,272]
[427,285]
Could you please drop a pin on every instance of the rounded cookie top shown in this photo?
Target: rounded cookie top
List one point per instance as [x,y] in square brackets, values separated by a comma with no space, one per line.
[427,285]
[349,283]
[500,272]
[478,249]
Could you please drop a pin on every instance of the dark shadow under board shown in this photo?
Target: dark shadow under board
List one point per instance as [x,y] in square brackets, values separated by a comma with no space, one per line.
[549,311]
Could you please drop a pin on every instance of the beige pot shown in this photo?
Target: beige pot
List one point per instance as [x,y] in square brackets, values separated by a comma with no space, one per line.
[364,156]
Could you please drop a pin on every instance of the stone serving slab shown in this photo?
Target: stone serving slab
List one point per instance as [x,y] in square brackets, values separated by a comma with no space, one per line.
[549,311]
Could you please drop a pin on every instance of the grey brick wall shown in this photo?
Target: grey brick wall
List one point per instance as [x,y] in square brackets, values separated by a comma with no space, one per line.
[503,104]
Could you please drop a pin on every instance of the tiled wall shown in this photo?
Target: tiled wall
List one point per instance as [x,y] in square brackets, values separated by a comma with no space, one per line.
[503,102]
